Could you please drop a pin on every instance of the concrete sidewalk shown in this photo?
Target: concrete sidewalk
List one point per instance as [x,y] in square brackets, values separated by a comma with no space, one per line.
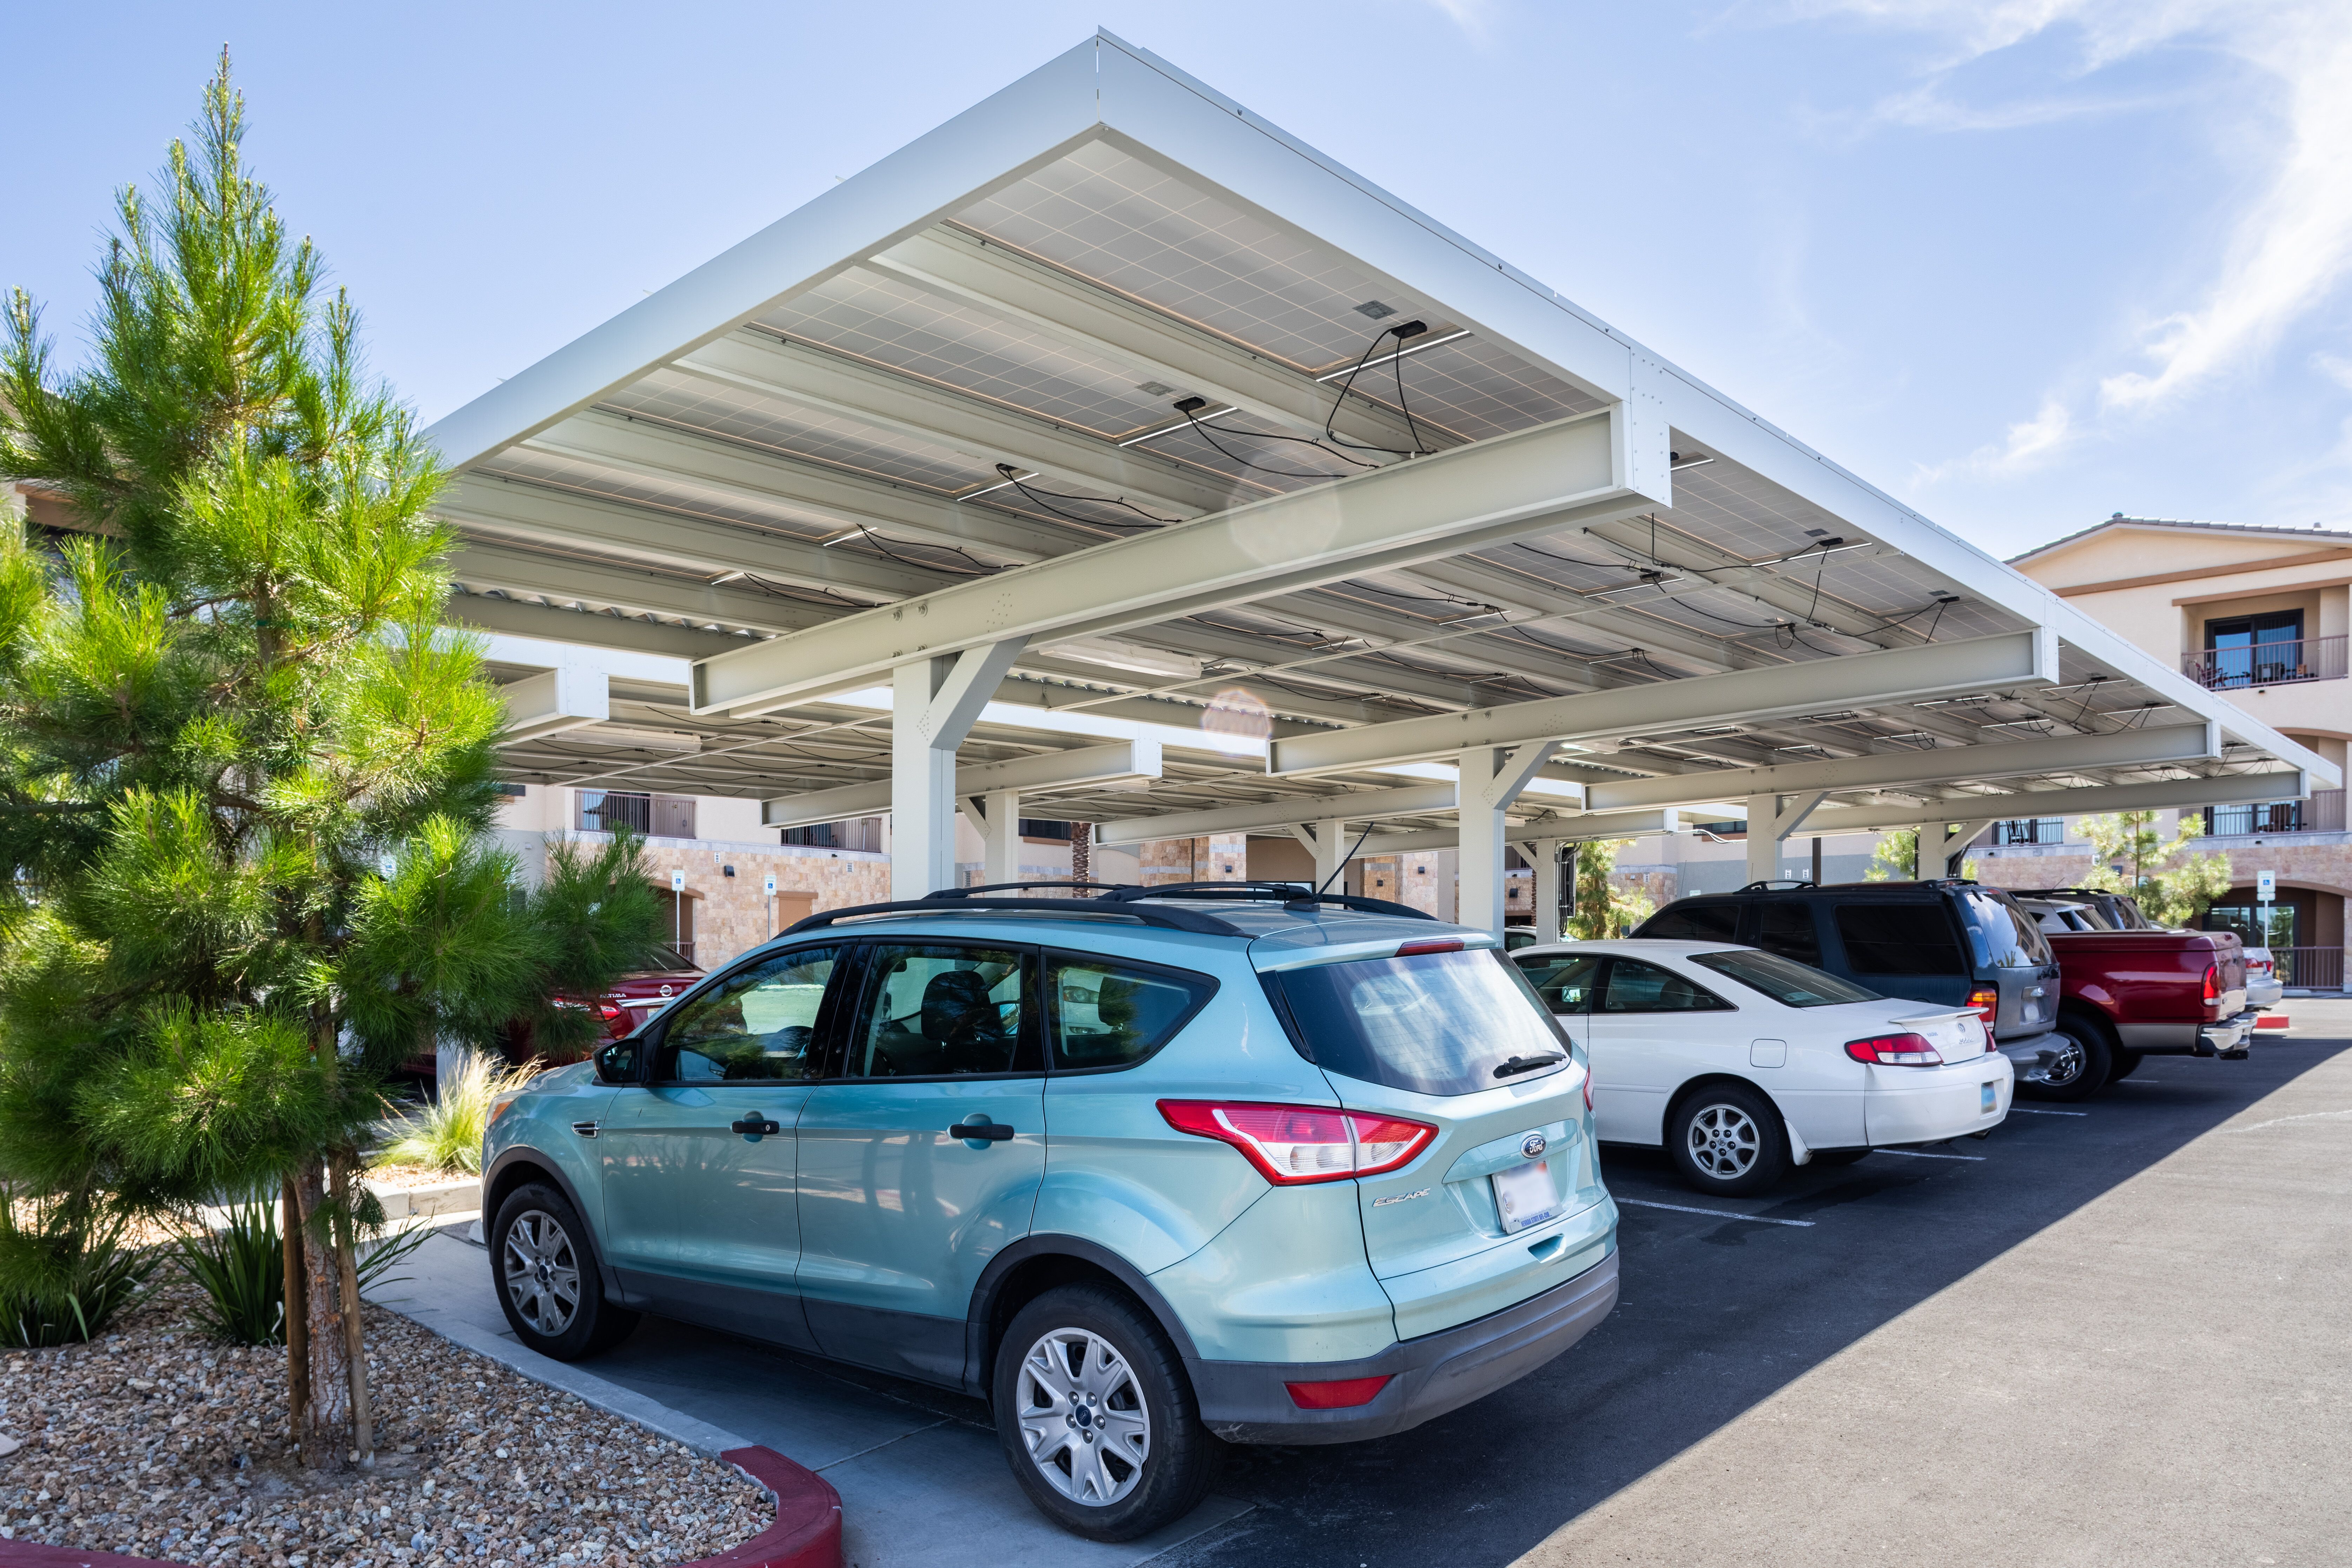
[919,1471]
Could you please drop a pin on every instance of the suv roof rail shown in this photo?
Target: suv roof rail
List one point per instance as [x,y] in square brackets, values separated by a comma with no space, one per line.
[1172,919]
[950,894]
[1769,883]
[1290,894]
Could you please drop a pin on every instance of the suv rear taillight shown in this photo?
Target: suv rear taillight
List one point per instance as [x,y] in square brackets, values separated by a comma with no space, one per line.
[1294,1145]
[1986,1003]
[1895,1051]
[2212,982]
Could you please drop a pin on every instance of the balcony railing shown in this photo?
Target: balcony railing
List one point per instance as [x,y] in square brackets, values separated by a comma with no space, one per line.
[2323,812]
[2310,968]
[2267,663]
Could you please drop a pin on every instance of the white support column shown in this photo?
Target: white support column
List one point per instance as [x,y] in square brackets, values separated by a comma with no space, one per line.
[1771,818]
[997,815]
[1331,844]
[1937,842]
[1545,855]
[1491,779]
[933,704]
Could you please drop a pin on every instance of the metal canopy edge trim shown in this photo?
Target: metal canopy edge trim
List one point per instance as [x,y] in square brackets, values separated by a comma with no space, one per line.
[2157,795]
[1894,675]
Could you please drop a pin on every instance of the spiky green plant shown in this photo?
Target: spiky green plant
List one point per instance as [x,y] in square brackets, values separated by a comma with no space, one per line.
[240,1266]
[445,1131]
[62,1283]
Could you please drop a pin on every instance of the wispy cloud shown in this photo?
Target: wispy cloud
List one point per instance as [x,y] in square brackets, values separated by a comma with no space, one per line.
[2030,443]
[2291,246]
[1471,16]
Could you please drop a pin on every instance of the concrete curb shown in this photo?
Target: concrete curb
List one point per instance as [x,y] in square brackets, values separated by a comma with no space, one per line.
[806,1533]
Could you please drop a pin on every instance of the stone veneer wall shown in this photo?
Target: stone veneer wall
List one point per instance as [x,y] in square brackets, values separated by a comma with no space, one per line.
[1222,857]
[731,915]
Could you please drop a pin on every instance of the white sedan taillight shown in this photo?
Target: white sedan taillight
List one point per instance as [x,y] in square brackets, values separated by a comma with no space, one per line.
[1294,1145]
[1895,1051]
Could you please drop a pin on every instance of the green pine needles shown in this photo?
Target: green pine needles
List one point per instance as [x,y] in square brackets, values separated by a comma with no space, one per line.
[227,700]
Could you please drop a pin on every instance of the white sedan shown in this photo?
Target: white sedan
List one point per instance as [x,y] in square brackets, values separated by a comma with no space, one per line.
[1742,1062]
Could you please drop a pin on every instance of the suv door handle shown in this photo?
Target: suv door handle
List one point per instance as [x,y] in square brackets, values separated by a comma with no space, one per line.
[751,1126]
[992,1132]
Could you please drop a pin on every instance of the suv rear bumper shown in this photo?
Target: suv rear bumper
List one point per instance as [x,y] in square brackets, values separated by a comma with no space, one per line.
[2026,1052]
[1245,1402]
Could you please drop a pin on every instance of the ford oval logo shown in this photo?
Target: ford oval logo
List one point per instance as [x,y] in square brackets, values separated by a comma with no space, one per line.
[1533,1146]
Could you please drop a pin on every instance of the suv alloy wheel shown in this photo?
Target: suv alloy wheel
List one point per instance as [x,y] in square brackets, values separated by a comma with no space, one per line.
[1096,1415]
[547,1281]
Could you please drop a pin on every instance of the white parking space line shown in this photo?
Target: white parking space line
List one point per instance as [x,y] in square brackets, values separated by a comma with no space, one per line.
[1717,1213]
[1924,1154]
[2022,1111]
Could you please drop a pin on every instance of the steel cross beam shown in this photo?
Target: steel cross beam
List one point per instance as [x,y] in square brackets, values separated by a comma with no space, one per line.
[487,563]
[2154,795]
[1046,769]
[567,698]
[1551,476]
[2017,759]
[1889,675]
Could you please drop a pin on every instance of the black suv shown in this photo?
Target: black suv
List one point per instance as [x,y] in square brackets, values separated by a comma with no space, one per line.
[1951,941]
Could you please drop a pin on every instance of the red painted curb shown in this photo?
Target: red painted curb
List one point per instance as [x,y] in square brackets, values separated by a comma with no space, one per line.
[806,1534]
[2272,1021]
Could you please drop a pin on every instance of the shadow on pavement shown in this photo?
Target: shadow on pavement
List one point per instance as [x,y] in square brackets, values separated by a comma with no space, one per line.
[1715,1315]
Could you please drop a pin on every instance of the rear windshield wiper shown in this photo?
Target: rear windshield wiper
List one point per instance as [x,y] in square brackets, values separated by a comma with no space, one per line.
[1529,1063]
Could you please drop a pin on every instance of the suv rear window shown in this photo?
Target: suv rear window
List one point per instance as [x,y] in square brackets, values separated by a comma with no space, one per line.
[2008,938]
[1436,1023]
[1694,922]
[1900,939]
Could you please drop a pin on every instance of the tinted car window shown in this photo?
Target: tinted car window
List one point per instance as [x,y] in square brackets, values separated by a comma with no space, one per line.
[2010,938]
[755,1025]
[1565,981]
[1638,987]
[1785,981]
[1435,1023]
[1900,939]
[941,1009]
[1109,1014]
[1694,922]
[1786,926]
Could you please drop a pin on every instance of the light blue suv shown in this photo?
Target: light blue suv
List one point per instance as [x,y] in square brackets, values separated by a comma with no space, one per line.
[1145,1170]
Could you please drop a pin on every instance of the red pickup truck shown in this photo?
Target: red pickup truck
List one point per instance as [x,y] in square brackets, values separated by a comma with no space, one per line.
[2125,994]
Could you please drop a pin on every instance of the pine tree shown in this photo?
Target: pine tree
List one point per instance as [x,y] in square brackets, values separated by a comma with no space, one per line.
[246,775]
[2171,885]
[1598,908]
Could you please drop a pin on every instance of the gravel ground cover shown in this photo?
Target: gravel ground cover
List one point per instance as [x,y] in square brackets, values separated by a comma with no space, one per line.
[156,1442]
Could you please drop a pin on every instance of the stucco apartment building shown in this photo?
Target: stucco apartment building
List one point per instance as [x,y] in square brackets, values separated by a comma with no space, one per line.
[2262,614]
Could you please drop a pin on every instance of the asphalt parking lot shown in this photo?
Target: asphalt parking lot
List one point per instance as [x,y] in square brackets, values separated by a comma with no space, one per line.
[2119,1331]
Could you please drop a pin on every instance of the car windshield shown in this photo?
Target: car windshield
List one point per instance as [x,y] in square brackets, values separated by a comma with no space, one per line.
[1435,1023]
[1786,981]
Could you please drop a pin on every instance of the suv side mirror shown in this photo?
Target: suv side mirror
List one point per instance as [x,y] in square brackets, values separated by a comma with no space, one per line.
[622,1061]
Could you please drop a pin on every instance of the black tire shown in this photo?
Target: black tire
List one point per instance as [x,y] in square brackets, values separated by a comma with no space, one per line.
[1728,1139]
[1154,1484]
[2081,1073]
[539,1248]
[2122,1064]
[1838,1156]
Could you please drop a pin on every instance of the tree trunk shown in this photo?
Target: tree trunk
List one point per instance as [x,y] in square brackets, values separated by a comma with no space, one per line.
[296,1319]
[347,1279]
[325,1434]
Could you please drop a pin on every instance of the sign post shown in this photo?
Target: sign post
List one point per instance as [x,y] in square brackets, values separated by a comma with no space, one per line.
[677,913]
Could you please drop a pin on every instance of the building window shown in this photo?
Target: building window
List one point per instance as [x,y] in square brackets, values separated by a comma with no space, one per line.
[858,833]
[657,816]
[2030,830]
[1039,828]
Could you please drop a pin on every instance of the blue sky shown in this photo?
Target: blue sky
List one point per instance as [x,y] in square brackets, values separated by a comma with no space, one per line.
[2024,263]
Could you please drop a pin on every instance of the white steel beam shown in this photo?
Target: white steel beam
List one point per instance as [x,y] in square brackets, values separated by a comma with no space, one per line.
[1770,820]
[934,703]
[1891,676]
[1958,764]
[551,518]
[1556,830]
[832,495]
[987,433]
[566,697]
[1543,856]
[2156,795]
[997,815]
[1120,759]
[584,629]
[965,269]
[1551,476]
[1936,842]
[1413,801]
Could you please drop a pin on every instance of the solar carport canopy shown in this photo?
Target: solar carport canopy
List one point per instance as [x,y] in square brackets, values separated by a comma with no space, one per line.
[1107,397]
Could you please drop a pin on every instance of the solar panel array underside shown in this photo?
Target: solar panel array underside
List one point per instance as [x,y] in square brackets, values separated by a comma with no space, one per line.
[1739,573]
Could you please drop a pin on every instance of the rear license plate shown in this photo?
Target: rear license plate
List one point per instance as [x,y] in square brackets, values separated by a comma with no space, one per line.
[1524,1196]
[1991,1098]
